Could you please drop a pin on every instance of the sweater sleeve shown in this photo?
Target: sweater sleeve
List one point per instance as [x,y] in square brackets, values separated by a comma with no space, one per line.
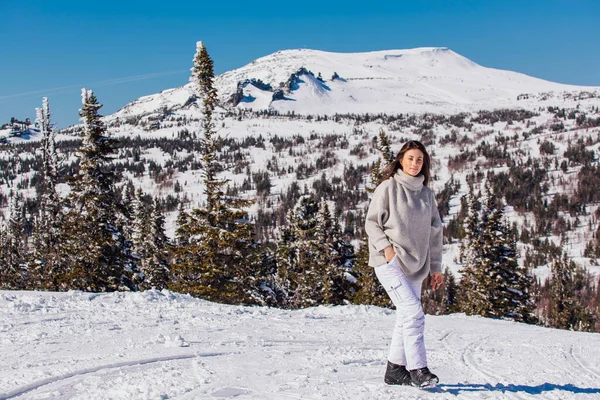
[377,215]
[436,238]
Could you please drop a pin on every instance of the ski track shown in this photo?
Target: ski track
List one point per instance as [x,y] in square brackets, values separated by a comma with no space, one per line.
[44,382]
[468,360]
[255,354]
[583,364]
[489,377]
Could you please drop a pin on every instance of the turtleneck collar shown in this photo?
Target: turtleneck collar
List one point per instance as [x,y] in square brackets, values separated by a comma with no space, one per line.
[410,182]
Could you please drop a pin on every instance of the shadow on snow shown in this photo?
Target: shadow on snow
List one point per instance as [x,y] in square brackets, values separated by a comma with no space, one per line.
[499,387]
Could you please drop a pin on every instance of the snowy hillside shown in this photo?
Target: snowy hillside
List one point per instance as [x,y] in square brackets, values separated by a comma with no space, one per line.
[392,81]
[160,345]
[540,154]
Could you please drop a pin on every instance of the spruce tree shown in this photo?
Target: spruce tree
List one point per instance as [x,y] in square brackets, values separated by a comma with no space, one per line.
[46,261]
[510,284]
[473,297]
[385,148]
[98,256]
[141,223]
[450,292]
[4,271]
[216,257]
[155,265]
[494,285]
[181,223]
[297,252]
[14,273]
[369,290]
[387,156]
[334,258]
[140,235]
[565,311]
[125,218]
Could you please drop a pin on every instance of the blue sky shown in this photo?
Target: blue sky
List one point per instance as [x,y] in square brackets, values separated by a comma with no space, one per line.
[126,49]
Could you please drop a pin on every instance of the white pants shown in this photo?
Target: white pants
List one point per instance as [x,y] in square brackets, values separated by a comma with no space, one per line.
[408,346]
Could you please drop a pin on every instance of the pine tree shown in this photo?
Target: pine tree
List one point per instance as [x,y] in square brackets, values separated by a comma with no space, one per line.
[387,156]
[450,292]
[4,271]
[494,285]
[384,147]
[473,297]
[14,273]
[181,223]
[296,255]
[216,257]
[510,286]
[98,256]
[141,224]
[140,239]
[155,265]
[334,258]
[369,290]
[46,262]
[565,312]
[125,218]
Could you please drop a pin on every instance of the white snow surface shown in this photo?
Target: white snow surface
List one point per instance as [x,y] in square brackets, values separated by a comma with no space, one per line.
[427,79]
[162,345]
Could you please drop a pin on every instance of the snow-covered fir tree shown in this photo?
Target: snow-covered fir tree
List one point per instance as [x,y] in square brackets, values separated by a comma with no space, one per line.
[369,290]
[216,257]
[383,145]
[139,233]
[335,258]
[472,296]
[450,293]
[14,272]
[155,267]
[511,284]
[297,252]
[3,254]
[125,218]
[98,256]
[141,223]
[315,265]
[46,261]
[493,283]
[565,312]
[183,219]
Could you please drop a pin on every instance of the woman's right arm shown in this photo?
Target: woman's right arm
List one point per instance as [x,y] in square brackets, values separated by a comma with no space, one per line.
[377,215]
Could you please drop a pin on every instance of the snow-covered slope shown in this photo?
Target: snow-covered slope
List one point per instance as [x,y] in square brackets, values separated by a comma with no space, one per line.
[394,81]
[160,345]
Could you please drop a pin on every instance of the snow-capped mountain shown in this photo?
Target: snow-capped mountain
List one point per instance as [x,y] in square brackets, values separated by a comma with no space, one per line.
[418,80]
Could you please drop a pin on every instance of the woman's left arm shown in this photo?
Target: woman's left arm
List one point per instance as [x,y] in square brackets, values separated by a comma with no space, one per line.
[436,239]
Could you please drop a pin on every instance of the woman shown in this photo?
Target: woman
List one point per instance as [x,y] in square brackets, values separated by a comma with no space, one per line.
[405,246]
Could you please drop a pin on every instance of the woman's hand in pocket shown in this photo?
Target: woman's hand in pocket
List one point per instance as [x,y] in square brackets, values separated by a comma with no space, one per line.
[389,253]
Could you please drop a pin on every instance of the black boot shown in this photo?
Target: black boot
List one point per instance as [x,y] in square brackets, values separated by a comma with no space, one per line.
[396,375]
[423,378]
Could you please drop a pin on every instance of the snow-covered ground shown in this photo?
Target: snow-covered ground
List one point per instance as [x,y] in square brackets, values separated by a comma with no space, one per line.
[161,345]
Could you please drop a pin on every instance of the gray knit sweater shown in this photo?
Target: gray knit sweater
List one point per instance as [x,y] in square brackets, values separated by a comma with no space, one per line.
[403,213]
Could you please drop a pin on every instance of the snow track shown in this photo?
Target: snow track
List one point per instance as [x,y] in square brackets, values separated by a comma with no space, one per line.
[593,372]
[120,365]
[161,345]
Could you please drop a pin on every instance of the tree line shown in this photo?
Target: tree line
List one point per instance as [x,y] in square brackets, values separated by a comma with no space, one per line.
[102,238]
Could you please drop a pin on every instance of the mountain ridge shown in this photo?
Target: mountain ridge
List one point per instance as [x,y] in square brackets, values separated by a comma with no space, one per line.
[425,79]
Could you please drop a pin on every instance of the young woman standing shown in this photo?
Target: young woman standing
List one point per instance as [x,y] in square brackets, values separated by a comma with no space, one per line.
[405,246]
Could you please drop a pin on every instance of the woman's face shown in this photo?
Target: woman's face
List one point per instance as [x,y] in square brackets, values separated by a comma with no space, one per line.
[412,162]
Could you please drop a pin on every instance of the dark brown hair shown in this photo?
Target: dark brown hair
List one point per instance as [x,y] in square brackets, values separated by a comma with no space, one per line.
[392,167]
